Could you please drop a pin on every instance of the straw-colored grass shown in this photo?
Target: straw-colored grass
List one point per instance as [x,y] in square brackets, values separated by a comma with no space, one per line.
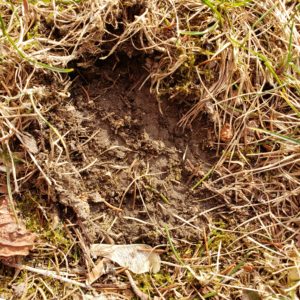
[236,61]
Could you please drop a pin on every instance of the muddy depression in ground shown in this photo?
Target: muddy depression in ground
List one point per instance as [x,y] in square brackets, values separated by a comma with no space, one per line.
[136,165]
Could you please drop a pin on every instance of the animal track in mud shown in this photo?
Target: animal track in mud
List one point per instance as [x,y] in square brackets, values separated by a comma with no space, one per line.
[141,161]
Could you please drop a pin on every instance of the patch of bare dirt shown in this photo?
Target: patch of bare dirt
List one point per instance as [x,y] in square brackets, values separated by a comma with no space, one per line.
[136,166]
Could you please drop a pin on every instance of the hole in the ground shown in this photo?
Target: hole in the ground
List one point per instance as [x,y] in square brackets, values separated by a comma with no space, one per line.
[139,157]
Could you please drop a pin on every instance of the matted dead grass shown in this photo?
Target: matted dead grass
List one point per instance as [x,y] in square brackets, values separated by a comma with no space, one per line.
[234,64]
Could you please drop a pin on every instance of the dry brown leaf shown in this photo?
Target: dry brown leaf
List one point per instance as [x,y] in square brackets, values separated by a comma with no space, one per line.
[14,238]
[138,258]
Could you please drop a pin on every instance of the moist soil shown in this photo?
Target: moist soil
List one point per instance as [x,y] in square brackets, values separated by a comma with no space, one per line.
[135,165]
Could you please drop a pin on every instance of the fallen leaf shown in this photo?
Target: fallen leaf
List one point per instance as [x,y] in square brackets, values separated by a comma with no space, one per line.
[30,143]
[14,238]
[104,266]
[138,258]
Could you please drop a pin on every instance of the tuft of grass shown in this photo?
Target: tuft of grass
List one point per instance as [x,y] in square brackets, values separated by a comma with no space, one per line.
[27,58]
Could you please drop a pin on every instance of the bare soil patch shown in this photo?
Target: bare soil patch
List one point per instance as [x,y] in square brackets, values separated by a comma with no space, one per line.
[133,155]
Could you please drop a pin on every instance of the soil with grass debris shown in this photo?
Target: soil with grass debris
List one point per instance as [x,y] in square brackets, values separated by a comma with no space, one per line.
[88,155]
[136,165]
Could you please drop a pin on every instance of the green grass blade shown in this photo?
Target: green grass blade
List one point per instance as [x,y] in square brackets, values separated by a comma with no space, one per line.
[277,135]
[213,8]
[210,294]
[25,57]
[291,105]
[199,33]
[269,66]
[202,179]
[264,15]
[289,56]
[173,247]
[295,68]
[161,195]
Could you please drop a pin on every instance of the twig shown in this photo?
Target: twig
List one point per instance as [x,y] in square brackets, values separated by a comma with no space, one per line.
[136,290]
[48,273]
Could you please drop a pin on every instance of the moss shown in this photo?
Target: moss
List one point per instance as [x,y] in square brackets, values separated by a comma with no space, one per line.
[35,221]
[162,278]
[218,235]
[56,247]
[144,283]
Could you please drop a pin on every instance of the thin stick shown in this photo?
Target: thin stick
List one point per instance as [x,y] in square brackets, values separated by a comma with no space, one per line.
[136,290]
[50,274]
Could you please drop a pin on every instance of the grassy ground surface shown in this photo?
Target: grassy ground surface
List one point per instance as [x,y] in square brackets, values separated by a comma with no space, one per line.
[165,122]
